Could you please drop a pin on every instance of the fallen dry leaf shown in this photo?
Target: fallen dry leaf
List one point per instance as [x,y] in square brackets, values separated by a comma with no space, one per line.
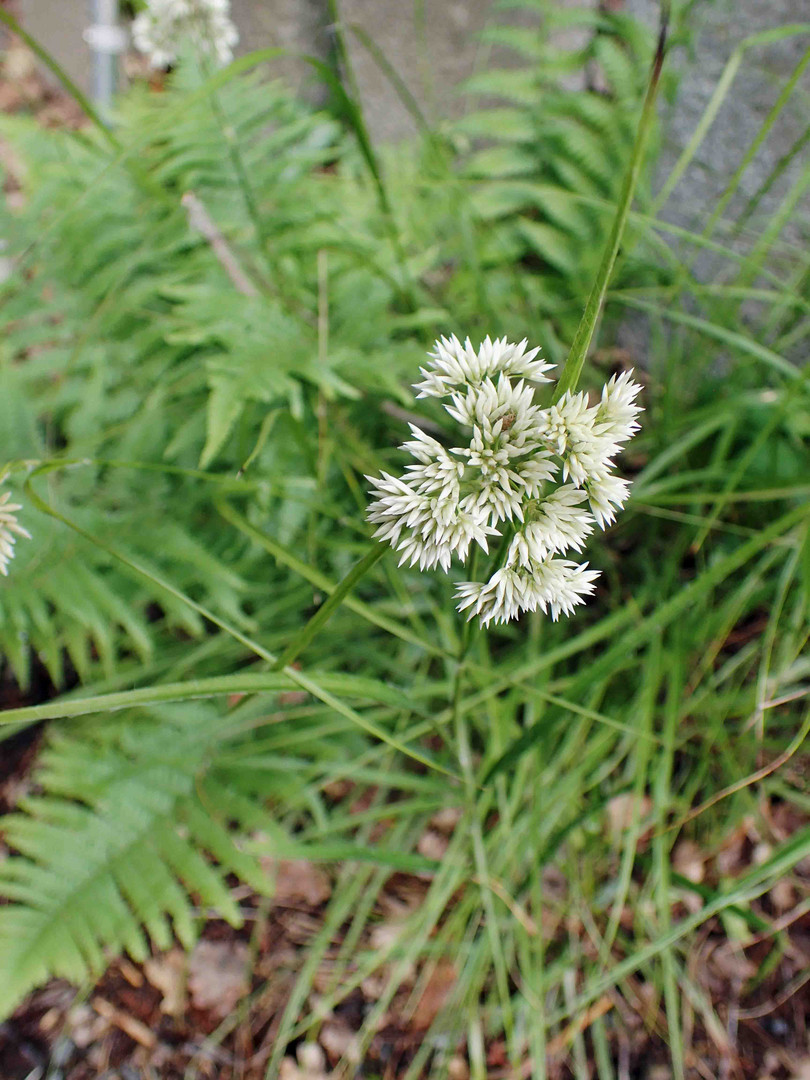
[85,1026]
[623,810]
[446,819]
[734,855]
[783,895]
[136,1030]
[288,1070]
[298,882]
[457,1068]
[731,963]
[561,1041]
[339,1041]
[217,976]
[311,1059]
[310,1064]
[384,939]
[689,861]
[167,973]
[433,845]
[130,972]
[337,789]
[437,989]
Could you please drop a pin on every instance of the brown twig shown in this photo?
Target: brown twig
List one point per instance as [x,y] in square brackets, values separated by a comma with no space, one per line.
[136,1030]
[201,220]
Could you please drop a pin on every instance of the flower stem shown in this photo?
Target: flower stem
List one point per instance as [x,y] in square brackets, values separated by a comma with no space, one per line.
[477,811]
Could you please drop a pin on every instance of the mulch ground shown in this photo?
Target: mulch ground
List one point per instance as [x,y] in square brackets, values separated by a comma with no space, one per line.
[215,1013]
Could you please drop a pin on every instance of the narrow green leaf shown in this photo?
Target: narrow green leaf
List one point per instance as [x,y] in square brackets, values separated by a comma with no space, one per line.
[579,349]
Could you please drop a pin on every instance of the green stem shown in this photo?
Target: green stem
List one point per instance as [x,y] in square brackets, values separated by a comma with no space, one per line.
[322,583]
[346,101]
[585,331]
[476,812]
[324,612]
[240,171]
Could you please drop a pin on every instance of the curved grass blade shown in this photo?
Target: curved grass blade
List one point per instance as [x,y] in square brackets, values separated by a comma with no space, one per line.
[579,349]
[196,689]
[303,681]
[719,333]
[765,37]
[287,558]
[324,612]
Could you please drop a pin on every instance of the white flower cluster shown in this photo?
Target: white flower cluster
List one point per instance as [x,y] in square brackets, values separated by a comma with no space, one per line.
[9,530]
[159,30]
[545,475]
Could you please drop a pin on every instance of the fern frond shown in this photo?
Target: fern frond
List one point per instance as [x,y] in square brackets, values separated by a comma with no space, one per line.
[516,38]
[568,142]
[518,85]
[623,73]
[71,602]
[509,125]
[118,844]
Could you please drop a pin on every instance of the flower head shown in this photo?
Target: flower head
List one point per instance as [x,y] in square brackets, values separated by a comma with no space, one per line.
[457,365]
[544,476]
[165,24]
[9,530]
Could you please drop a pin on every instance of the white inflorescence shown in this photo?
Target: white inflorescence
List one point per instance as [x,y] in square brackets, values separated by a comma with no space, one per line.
[9,530]
[546,475]
[165,24]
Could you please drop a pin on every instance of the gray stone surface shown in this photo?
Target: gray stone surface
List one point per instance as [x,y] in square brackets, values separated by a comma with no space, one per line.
[299,26]
[720,27]
[434,45]
[58,25]
[432,55]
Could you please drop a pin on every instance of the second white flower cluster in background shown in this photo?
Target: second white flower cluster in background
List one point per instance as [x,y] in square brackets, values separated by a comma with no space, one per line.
[545,474]
[162,28]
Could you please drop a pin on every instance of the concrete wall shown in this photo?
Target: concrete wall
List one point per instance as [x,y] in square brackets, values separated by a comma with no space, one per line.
[720,27]
[58,25]
[435,52]
[432,55]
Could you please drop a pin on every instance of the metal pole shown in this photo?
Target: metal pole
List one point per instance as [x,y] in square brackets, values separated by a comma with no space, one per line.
[106,40]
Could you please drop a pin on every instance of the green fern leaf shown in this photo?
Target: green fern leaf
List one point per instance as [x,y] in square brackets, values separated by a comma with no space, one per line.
[508,125]
[501,161]
[518,85]
[113,849]
[550,244]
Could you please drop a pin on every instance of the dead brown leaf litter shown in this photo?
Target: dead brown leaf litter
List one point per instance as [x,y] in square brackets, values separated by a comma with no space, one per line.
[215,1013]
